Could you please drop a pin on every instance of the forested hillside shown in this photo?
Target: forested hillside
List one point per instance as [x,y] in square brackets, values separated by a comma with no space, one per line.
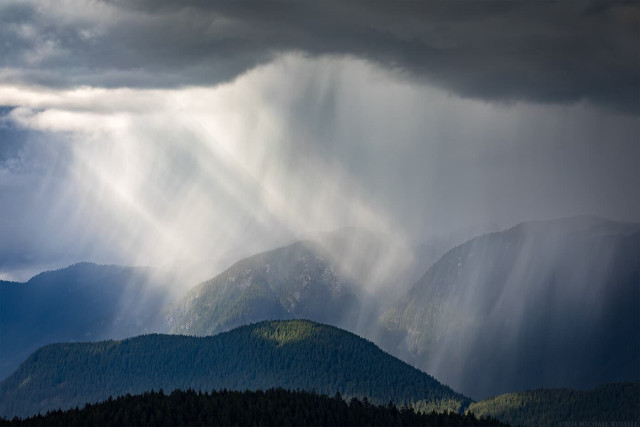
[290,354]
[608,404]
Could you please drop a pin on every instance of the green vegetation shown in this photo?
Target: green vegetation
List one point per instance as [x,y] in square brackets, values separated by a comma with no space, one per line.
[609,403]
[291,354]
[274,407]
[286,332]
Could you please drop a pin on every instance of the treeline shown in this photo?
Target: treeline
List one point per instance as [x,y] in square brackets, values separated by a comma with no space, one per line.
[610,403]
[274,407]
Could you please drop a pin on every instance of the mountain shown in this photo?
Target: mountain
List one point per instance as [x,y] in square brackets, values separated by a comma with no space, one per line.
[290,354]
[431,249]
[78,303]
[543,304]
[285,283]
[338,278]
[610,404]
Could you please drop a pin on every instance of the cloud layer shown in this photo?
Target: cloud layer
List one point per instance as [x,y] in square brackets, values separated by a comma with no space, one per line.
[505,51]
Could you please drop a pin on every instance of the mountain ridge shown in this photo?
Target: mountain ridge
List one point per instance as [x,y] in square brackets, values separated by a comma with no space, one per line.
[470,289]
[79,302]
[537,285]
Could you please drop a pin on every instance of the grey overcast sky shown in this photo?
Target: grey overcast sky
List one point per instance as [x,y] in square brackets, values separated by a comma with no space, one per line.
[164,133]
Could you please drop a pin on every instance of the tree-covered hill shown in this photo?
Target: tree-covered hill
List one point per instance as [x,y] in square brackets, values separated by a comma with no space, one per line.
[81,302]
[273,407]
[291,354]
[610,404]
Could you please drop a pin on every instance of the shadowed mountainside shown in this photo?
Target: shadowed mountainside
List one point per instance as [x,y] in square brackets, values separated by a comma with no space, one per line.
[78,303]
[543,304]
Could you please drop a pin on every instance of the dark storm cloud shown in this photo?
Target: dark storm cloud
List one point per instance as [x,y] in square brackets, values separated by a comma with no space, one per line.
[547,52]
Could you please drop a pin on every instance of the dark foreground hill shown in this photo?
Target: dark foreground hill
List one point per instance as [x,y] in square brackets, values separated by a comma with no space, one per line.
[610,404]
[79,303]
[291,354]
[274,407]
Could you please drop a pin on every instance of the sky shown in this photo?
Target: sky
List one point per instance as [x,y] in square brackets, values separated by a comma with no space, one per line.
[189,133]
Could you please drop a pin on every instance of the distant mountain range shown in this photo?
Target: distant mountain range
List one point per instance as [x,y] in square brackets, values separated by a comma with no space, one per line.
[543,304]
[83,302]
[340,278]
[290,354]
